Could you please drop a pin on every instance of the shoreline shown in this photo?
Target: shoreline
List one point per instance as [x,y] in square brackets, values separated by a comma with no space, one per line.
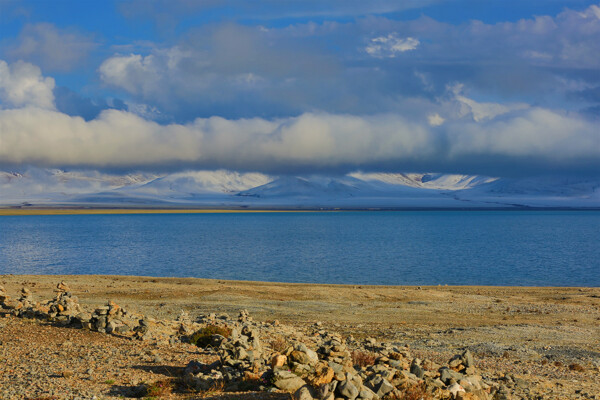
[18,211]
[284,283]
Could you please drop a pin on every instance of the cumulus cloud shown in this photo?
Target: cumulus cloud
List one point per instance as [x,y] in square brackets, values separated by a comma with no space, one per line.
[223,70]
[134,73]
[53,48]
[390,45]
[369,65]
[22,84]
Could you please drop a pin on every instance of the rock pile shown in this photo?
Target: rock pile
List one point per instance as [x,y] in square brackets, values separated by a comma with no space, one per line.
[333,371]
[241,357]
[6,305]
[318,366]
[24,306]
[63,308]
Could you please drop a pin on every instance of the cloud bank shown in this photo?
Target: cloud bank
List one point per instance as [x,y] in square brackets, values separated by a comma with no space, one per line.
[528,140]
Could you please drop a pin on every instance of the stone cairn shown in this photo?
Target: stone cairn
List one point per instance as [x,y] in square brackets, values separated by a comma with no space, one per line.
[64,307]
[318,366]
[330,372]
[23,306]
[6,305]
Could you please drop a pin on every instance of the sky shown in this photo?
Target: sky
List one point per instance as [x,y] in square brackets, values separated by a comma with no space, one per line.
[496,87]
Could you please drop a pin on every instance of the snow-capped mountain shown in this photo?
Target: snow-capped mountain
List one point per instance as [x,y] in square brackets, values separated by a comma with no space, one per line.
[222,188]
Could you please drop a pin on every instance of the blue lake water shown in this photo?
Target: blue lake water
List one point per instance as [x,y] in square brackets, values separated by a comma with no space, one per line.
[559,248]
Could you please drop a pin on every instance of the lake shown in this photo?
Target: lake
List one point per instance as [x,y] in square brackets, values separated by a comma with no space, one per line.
[525,248]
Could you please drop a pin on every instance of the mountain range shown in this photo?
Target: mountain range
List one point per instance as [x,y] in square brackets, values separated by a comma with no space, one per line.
[224,189]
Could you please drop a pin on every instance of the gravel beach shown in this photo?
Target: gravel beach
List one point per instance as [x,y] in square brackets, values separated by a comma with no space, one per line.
[544,342]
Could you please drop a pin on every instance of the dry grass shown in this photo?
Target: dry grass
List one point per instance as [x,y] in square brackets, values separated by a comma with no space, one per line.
[203,337]
[42,398]
[363,358]
[576,367]
[217,388]
[159,388]
[279,344]
[414,392]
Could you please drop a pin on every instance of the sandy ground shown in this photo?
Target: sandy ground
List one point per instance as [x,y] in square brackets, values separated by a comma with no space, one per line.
[567,318]
[534,332]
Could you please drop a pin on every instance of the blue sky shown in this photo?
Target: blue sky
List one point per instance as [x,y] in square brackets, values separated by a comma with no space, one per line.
[466,86]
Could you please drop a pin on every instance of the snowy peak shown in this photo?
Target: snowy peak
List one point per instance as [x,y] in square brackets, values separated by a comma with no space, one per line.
[202,182]
[313,186]
[426,181]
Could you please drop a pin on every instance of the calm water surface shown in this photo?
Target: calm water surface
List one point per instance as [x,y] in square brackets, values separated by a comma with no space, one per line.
[413,248]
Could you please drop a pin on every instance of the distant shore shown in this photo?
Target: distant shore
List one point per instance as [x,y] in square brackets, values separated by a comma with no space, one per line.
[18,211]
[102,211]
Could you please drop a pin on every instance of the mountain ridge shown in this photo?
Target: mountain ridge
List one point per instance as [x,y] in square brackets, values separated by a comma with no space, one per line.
[222,188]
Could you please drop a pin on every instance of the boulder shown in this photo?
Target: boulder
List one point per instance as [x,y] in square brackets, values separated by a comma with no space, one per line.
[348,390]
[287,381]
[323,374]
[306,392]
[380,386]
[446,374]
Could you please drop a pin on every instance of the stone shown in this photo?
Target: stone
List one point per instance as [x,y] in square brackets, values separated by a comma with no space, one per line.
[502,393]
[62,287]
[417,370]
[287,381]
[455,388]
[446,374]
[348,390]
[455,363]
[367,394]
[323,374]
[66,373]
[300,357]
[468,359]
[314,357]
[379,385]
[306,392]
[338,371]
[278,360]
[122,329]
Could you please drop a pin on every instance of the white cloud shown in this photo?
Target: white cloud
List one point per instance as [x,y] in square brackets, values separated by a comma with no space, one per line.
[536,132]
[134,73]
[435,119]
[390,45]
[51,47]
[478,111]
[22,84]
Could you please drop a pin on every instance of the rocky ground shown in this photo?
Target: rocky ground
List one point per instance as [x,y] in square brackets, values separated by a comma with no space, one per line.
[522,342]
